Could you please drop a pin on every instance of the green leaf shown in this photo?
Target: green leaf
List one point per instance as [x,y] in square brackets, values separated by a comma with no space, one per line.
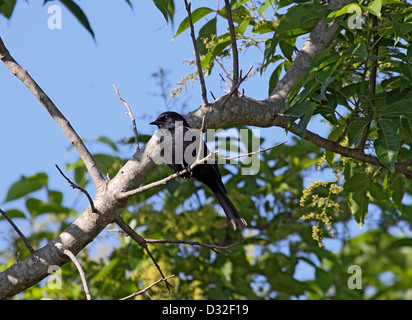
[323,279]
[291,24]
[358,204]
[79,14]
[357,49]
[287,49]
[409,52]
[350,8]
[265,5]
[206,32]
[375,7]
[303,123]
[358,182]
[105,270]
[167,8]
[7,7]
[355,129]
[13,214]
[37,207]
[406,242]
[399,108]
[396,184]
[387,144]
[274,78]
[108,142]
[26,185]
[241,28]
[406,70]
[400,29]
[377,192]
[196,16]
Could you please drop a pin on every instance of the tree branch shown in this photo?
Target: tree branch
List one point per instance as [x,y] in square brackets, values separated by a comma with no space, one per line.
[130,114]
[21,235]
[126,194]
[235,87]
[75,186]
[235,53]
[216,248]
[142,243]
[318,40]
[81,272]
[197,55]
[134,294]
[55,113]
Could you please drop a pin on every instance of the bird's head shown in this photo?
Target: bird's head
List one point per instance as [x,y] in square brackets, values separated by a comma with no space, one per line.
[169,120]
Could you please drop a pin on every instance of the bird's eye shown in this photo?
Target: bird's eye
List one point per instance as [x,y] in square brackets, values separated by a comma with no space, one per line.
[166,118]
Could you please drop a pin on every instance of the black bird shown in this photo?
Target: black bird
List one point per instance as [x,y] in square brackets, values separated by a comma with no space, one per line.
[207,173]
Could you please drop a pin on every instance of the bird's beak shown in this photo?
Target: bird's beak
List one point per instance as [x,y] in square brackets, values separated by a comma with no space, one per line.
[156,123]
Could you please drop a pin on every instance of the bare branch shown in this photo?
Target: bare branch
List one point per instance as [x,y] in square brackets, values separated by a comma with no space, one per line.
[147,288]
[126,194]
[221,66]
[75,186]
[254,152]
[81,272]
[142,243]
[234,89]
[196,243]
[130,114]
[55,113]
[197,55]
[235,53]
[21,235]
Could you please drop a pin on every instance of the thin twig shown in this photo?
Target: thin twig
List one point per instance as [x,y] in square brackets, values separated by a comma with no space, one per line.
[81,272]
[126,194]
[227,85]
[75,186]
[197,54]
[55,113]
[21,235]
[134,294]
[254,152]
[235,53]
[201,142]
[130,114]
[196,243]
[221,66]
[234,89]
[142,243]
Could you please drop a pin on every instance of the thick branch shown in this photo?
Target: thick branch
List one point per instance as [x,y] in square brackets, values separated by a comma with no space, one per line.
[55,113]
[318,40]
[246,111]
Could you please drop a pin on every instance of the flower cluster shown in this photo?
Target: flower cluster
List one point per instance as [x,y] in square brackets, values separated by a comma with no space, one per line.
[320,206]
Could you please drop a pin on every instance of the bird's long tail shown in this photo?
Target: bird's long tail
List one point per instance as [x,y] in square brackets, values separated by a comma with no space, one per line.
[236,220]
